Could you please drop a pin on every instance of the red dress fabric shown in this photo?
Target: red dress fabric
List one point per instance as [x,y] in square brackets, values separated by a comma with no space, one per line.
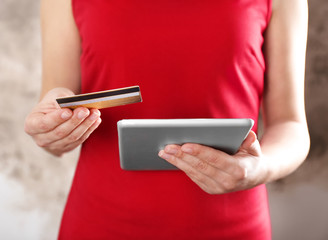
[191,59]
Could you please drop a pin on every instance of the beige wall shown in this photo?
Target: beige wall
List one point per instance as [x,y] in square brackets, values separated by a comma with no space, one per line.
[34,185]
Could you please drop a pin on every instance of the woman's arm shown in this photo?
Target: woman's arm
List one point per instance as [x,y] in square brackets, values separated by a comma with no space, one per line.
[61,46]
[54,129]
[285,142]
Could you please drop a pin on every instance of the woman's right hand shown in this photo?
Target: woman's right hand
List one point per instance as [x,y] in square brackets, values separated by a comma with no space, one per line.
[60,130]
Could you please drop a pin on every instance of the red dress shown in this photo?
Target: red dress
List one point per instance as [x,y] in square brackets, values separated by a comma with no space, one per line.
[191,59]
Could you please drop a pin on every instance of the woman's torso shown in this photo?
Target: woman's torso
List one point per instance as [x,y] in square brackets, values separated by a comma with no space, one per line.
[191,59]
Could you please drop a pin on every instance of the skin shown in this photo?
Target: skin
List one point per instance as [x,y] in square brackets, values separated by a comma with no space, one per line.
[285,142]
[60,130]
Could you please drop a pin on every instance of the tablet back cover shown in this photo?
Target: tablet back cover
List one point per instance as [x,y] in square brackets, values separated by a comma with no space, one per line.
[140,140]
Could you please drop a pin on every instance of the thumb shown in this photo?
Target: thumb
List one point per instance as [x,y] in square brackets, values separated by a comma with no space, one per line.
[251,145]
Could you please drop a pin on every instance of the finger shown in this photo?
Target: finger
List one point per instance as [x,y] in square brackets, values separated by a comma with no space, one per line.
[193,161]
[205,187]
[217,159]
[213,179]
[185,167]
[226,179]
[84,137]
[77,137]
[251,145]
[213,184]
[218,182]
[38,122]
[64,129]
[81,129]
[211,156]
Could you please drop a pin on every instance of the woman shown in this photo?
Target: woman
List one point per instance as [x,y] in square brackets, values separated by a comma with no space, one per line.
[192,59]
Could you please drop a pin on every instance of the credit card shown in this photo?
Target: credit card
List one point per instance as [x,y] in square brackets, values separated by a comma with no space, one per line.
[103,99]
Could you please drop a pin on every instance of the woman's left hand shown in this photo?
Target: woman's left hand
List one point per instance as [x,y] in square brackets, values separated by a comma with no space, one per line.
[217,172]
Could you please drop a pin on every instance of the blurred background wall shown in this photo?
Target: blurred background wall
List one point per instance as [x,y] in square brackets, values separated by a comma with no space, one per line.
[34,185]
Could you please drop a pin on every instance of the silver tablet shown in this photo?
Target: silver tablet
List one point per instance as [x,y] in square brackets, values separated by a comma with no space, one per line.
[140,140]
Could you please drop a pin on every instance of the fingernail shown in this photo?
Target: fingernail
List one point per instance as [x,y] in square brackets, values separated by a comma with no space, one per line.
[162,154]
[82,114]
[66,115]
[94,116]
[186,150]
[171,150]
